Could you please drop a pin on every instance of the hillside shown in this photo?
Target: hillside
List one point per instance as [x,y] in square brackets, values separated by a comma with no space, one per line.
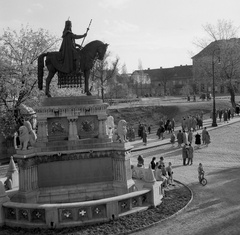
[151,114]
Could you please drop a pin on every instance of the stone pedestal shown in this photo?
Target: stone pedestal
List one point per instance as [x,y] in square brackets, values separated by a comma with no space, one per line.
[73,176]
[74,159]
[71,118]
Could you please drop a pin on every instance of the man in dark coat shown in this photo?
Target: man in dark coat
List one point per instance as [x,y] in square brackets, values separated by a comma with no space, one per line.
[180,138]
[68,50]
[198,140]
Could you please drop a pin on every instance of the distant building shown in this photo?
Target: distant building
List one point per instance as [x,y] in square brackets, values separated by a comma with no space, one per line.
[164,81]
[218,57]
[140,83]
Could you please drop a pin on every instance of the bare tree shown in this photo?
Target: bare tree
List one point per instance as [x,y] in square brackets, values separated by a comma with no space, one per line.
[223,30]
[230,66]
[220,58]
[103,71]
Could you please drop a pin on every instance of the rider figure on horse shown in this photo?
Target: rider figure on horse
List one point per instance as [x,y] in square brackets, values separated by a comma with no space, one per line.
[70,50]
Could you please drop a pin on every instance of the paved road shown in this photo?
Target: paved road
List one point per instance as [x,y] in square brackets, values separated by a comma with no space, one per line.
[215,208]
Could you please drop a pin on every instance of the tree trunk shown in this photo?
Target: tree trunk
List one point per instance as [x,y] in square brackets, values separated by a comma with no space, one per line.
[232,94]
[102,93]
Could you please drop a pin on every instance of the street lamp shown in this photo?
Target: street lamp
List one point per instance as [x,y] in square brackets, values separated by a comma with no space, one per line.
[214,118]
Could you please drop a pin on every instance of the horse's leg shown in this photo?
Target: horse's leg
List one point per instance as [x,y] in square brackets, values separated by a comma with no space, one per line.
[86,79]
[51,73]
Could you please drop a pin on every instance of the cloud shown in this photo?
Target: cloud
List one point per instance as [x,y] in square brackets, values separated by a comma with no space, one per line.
[38,5]
[113,3]
[34,7]
[29,10]
[119,27]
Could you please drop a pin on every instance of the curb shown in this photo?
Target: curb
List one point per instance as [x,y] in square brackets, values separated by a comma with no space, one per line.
[170,217]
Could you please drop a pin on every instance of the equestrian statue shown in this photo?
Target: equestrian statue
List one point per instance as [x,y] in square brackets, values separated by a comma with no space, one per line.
[71,62]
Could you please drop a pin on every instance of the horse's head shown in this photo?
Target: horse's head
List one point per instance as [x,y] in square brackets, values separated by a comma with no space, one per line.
[95,48]
[102,50]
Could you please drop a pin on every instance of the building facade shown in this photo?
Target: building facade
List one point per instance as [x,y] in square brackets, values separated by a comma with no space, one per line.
[164,81]
[219,61]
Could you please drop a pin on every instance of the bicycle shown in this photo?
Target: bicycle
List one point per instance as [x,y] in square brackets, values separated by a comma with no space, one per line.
[202,179]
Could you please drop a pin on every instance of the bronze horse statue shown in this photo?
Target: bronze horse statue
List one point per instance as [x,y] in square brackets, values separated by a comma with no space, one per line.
[88,55]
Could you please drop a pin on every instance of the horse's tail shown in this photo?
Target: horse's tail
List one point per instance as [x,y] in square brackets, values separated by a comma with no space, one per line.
[40,70]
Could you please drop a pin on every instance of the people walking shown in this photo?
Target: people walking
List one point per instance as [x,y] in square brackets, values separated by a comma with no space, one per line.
[198,140]
[185,137]
[173,138]
[204,131]
[180,138]
[207,138]
[190,136]
[190,155]
[225,116]
[160,132]
[220,113]
[184,154]
[144,135]
[149,129]
[173,124]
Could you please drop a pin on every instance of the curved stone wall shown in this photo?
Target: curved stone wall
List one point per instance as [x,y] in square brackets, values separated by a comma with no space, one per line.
[75,214]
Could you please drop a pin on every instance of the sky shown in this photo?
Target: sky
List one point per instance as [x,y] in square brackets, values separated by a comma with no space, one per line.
[150,33]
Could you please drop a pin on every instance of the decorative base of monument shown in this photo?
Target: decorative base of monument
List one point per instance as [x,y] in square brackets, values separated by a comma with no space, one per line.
[74,174]
[69,80]
[71,118]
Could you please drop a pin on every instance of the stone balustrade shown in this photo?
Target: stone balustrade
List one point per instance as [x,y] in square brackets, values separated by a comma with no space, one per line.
[74,214]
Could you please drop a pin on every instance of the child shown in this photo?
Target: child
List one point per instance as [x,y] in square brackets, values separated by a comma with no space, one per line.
[153,163]
[170,173]
[200,172]
[161,163]
[173,138]
[140,161]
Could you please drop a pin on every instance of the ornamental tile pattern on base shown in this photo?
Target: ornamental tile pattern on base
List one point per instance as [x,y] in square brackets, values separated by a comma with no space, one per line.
[10,213]
[66,215]
[23,214]
[99,211]
[84,213]
[124,206]
[38,216]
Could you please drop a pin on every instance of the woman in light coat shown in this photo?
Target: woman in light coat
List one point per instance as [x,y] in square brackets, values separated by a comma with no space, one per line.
[207,138]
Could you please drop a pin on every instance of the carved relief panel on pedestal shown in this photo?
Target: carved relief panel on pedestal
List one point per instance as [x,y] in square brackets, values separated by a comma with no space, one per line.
[58,128]
[87,126]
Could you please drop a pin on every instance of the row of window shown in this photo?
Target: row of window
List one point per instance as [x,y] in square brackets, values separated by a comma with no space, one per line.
[205,88]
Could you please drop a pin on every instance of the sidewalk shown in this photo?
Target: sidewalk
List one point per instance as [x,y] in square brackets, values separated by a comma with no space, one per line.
[153,141]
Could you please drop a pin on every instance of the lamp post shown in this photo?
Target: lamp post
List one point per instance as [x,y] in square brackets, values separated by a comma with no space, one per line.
[214,118]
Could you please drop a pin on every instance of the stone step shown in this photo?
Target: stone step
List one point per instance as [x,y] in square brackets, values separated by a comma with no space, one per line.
[135,209]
